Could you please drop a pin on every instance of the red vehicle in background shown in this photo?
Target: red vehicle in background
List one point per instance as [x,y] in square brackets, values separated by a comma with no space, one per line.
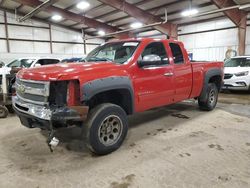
[119,78]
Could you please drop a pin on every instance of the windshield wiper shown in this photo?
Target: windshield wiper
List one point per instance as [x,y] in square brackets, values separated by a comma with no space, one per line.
[98,59]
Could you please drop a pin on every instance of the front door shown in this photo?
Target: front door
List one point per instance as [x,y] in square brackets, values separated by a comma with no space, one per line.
[154,83]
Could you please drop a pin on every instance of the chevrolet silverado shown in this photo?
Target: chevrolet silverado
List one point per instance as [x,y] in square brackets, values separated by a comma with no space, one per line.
[117,79]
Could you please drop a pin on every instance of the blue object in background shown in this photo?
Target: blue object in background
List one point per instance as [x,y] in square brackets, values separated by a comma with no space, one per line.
[72,60]
[190,55]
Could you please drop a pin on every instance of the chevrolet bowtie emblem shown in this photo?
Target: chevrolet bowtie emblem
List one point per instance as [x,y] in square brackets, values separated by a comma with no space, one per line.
[21,89]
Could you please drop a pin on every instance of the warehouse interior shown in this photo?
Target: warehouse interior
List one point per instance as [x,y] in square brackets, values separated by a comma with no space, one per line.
[175,145]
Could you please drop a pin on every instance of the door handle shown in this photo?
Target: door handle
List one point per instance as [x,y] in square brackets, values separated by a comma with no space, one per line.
[168,74]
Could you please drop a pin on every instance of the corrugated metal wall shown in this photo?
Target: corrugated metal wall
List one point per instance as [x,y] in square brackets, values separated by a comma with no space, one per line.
[35,40]
[214,44]
[208,40]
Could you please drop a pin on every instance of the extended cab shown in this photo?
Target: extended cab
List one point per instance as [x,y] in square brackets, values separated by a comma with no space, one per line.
[119,78]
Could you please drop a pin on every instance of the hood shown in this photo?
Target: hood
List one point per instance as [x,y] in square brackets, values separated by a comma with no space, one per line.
[233,70]
[71,71]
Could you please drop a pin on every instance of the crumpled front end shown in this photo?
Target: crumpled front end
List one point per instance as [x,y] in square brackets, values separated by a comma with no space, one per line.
[49,103]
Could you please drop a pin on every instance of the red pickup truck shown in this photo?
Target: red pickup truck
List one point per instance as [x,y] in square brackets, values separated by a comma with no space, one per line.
[117,79]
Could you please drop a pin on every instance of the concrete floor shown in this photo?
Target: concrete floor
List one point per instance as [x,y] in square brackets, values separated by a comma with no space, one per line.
[173,147]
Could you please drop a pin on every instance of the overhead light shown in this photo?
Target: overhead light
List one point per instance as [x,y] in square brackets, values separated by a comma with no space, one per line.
[56,17]
[83,5]
[101,33]
[136,25]
[189,12]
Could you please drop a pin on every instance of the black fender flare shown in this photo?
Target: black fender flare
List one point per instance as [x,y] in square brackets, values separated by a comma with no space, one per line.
[91,88]
[208,75]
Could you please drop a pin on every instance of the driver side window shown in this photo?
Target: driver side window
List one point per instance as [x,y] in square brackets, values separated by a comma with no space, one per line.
[156,48]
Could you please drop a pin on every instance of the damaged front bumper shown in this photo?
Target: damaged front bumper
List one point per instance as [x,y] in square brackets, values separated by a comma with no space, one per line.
[32,115]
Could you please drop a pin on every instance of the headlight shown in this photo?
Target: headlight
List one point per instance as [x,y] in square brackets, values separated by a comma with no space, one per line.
[245,73]
[40,112]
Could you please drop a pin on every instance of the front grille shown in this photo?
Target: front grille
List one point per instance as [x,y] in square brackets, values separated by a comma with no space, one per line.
[33,91]
[31,97]
[228,76]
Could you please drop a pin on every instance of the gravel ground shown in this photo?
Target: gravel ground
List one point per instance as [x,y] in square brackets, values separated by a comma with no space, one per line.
[174,147]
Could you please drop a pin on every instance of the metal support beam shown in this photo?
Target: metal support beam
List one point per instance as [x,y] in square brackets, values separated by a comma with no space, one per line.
[239,18]
[19,7]
[74,17]
[50,39]
[38,9]
[84,42]
[38,20]
[95,8]
[143,16]
[242,30]
[6,32]
[117,11]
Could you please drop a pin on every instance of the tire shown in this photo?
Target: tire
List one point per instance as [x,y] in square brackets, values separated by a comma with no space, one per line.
[211,99]
[3,112]
[10,109]
[105,129]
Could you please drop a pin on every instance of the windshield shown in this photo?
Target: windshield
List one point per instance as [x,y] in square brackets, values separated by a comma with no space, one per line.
[238,62]
[118,52]
[26,63]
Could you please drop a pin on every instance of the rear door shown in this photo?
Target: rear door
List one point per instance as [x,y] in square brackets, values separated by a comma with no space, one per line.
[154,84]
[182,72]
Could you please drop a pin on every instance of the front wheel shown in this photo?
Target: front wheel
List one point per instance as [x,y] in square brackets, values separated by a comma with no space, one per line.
[106,128]
[211,99]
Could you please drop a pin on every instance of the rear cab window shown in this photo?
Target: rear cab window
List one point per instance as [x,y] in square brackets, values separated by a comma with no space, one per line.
[177,53]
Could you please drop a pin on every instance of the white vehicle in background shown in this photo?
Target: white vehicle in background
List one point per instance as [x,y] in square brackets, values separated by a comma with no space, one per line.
[237,73]
[30,62]
[13,67]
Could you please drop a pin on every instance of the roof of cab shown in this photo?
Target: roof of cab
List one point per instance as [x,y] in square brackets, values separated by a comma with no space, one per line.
[141,40]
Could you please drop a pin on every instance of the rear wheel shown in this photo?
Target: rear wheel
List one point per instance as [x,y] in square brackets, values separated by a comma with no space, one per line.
[105,129]
[211,99]
[3,112]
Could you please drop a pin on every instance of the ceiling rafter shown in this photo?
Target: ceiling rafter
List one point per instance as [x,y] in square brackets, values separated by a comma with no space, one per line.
[73,17]
[43,21]
[143,16]
[169,13]
[190,23]
[117,10]
[148,10]
[19,7]
[38,9]
[96,8]
[235,15]
[85,12]
[239,18]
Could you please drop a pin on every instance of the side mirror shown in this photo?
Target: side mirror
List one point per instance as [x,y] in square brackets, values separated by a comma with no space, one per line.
[150,60]
[38,65]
